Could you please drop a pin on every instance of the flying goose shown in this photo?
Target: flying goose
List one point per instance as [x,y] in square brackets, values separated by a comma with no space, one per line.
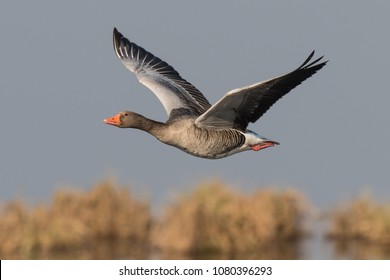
[193,125]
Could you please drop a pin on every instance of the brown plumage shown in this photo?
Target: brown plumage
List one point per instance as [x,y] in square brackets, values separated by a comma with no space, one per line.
[193,125]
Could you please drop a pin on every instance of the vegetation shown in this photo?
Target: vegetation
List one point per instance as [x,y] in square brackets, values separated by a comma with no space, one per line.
[362,219]
[360,229]
[73,220]
[216,219]
[213,221]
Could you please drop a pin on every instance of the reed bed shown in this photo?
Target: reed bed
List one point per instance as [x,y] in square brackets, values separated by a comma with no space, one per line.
[217,219]
[363,219]
[213,219]
[73,220]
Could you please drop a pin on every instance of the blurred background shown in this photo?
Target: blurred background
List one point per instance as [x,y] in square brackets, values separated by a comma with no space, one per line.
[60,78]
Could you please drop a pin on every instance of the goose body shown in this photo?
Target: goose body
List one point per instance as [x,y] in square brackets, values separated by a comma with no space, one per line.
[193,125]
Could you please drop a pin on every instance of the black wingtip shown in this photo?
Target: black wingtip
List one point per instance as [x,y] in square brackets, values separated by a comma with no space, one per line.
[307,59]
[116,33]
[306,63]
[311,54]
[116,39]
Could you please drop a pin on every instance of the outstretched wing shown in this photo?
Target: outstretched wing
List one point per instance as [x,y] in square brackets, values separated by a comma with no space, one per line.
[172,90]
[243,105]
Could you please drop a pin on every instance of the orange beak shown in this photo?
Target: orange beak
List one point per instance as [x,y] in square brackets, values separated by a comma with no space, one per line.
[115,120]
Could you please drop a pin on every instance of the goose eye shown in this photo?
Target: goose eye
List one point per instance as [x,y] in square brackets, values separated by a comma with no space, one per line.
[126,114]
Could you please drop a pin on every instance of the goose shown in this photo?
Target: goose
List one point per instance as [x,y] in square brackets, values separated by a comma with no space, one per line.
[194,125]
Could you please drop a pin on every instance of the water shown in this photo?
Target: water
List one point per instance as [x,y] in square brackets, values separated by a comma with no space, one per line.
[315,247]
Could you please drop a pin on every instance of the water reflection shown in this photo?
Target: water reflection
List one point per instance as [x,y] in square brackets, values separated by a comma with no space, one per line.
[292,250]
[277,251]
[103,250]
[109,250]
[359,250]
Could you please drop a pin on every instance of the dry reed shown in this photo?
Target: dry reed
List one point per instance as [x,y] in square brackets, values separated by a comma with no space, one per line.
[215,218]
[73,220]
[108,221]
[362,219]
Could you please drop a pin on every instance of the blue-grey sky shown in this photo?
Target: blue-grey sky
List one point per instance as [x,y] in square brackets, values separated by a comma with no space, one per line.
[60,78]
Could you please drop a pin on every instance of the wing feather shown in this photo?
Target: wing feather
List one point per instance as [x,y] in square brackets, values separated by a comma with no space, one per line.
[171,89]
[243,105]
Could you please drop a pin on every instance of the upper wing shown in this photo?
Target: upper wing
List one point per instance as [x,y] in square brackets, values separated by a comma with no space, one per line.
[172,90]
[243,105]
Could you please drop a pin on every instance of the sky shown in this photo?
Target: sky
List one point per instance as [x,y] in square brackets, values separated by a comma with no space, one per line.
[60,78]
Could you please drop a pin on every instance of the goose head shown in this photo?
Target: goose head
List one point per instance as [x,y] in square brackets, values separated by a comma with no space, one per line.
[126,119]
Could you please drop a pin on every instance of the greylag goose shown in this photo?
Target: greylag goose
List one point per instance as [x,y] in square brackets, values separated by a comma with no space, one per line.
[193,125]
